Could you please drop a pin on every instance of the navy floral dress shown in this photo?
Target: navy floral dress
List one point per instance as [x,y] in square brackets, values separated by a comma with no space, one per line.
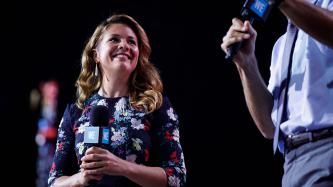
[148,139]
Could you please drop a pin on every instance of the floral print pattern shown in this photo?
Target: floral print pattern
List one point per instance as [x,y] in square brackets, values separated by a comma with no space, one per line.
[148,139]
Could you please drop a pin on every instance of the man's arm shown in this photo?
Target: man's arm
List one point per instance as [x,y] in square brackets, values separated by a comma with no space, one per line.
[258,99]
[314,20]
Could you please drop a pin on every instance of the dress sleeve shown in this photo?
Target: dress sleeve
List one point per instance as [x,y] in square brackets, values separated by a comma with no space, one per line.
[168,149]
[64,161]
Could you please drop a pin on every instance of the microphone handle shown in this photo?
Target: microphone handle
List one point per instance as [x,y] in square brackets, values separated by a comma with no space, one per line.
[232,51]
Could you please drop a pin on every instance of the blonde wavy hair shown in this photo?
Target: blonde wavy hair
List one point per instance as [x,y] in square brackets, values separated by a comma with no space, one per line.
[145,85]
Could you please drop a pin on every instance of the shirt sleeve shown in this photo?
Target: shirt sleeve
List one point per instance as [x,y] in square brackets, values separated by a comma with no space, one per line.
[166,141]
[330,5]
[64,161]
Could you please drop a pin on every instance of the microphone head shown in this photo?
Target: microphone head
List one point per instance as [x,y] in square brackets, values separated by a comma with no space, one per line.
[258,9]
[99,116]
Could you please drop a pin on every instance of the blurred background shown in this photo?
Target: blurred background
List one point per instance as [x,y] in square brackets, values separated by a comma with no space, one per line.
[43,41]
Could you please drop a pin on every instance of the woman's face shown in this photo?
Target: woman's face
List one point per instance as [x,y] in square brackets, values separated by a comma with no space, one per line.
[118,51]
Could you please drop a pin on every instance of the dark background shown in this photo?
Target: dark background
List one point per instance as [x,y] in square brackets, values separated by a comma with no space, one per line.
[44,40]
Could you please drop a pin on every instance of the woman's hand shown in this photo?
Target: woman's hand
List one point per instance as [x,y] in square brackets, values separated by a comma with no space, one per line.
[80,179]
[98,162]
[83,178]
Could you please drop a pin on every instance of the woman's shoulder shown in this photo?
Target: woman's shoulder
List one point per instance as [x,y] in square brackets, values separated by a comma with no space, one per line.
[164,115]
[165,107]
[91,99]
[72,110]
[166,103]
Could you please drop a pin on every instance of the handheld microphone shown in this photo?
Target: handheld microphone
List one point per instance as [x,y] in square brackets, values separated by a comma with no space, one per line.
[98,134]
[251,10]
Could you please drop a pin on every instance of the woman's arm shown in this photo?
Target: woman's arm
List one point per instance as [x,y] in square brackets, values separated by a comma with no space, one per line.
[64,167]
[166,144]
[145,175]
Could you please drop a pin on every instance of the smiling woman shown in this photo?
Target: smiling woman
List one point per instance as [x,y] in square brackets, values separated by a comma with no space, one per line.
[144,146]
[106,43]
[121,42]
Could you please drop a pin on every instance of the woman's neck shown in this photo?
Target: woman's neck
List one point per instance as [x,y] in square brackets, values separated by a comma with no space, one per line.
[113,88]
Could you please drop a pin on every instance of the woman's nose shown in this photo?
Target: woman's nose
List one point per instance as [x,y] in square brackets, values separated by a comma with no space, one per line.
[123,45]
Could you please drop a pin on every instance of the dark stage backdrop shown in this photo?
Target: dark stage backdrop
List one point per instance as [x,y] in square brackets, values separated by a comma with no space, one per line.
[44,40]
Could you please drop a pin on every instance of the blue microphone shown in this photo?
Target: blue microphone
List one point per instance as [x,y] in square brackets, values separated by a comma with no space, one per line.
[251,10]
[98,134]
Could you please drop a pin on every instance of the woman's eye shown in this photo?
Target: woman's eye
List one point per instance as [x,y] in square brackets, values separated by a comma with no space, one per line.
[114,40]
[132,42]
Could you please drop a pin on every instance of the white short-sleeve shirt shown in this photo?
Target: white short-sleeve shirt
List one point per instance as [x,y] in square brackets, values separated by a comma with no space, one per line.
[310,95]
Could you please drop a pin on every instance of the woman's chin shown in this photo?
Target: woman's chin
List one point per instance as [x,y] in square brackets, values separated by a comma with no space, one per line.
[127,66]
